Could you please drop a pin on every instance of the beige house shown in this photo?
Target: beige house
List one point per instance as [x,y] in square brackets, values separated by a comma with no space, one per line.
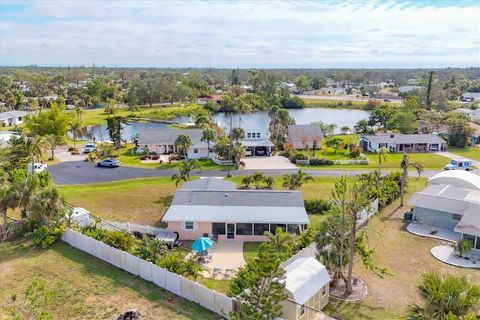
[306,285]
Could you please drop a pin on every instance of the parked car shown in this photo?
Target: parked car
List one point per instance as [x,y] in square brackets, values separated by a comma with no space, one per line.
[110,163]
[248,152]
[260,152]
[460,164]
[90,147]
[37,167]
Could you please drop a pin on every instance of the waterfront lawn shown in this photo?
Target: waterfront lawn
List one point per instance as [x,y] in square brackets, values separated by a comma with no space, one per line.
[98,116]
[80,286]
[470,153]
[341,104]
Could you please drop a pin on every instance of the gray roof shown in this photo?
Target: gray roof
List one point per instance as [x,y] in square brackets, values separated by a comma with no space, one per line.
[403,138]
[296,131]
[238,198]
[212,184]
[12,114]
[471,94]
[167,136]
[404,89]
[304,278]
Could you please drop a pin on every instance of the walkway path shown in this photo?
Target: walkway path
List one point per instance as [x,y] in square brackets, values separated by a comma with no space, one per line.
[450,155]
[447,255]
[422,230]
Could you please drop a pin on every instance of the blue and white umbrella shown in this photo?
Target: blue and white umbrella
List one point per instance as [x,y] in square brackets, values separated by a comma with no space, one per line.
[202,244]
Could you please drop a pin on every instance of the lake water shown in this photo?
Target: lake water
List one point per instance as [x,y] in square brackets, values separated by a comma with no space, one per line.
[249,122]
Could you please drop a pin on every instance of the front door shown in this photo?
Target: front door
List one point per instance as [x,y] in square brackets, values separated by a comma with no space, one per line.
[230,230]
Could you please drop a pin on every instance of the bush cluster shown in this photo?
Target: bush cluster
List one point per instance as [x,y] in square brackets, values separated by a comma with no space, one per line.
[320,162]
[298,156]
[317,206]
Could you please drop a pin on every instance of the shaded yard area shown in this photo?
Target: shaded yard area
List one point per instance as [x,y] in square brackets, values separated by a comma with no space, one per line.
[84,287]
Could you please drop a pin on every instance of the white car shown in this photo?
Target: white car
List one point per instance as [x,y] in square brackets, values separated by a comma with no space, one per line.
[90,147]
[37,167]
[248,152]
[460,164]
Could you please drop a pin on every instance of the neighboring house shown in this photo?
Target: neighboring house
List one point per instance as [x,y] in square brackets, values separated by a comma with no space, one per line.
[407,89]
[306,285]
[213,207]
[162,141]
[257,142]
[451,201]
[305,136]
[473,115]
[397,142]
[12,118]
[212,98]
[475,137]
[5,138]
[470,96]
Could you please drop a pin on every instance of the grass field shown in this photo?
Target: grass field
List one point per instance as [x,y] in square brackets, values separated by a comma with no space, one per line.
[470,153]
[341,104]
[250,250]
[79,286]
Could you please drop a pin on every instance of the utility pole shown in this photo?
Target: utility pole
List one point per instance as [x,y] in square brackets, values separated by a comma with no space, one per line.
[429,90]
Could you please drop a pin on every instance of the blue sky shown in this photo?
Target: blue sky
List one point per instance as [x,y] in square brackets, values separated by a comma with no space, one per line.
[270,34]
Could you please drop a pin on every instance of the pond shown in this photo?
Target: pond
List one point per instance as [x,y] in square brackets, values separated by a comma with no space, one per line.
[249,122]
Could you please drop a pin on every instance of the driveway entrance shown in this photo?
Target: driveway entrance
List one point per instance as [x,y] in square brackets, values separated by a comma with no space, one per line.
[275,162]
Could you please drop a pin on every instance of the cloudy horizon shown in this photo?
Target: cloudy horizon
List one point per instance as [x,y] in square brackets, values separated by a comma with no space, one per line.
[244,34]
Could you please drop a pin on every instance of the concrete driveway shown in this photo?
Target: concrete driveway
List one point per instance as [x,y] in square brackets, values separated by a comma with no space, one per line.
[450,155]
[261,163]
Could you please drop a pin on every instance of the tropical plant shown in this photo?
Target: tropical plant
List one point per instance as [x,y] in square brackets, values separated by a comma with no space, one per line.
[47,205]
[281,241]
[237,134]
[150,249]
[246,181]
[446,297]
[182,144]
[268,182]
[295,181]
[75,130]
[257,178]
[202,120]
[208,135]
[238,152]
[52,141]
[115,127]
[463,246]
[184,171]
[404,165]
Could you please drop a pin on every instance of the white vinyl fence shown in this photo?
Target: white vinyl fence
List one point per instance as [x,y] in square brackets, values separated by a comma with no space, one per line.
[131,227]
[193,291]
[310,251]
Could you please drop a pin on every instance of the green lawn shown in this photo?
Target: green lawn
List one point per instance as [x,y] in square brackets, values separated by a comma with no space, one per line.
[470,153]
[98,116]
[342,104]
[80,286]
[250,250]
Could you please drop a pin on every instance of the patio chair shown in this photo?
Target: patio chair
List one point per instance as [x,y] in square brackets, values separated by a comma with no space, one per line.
[216,270]
[229,272]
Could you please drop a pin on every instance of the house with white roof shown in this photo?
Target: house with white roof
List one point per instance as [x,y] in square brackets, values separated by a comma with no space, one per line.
[5,137]
[215,208]
[470,96]
[12,118]
[162,141]
[398,142]
[451,201]
[307,288]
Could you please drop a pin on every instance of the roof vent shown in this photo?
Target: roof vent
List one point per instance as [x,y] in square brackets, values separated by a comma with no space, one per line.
[392,136]
[226,194]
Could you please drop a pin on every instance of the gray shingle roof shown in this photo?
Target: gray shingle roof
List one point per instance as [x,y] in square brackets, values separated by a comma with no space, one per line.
[296,131]
[167,136]
[404,138]
[238,198]
[212,184]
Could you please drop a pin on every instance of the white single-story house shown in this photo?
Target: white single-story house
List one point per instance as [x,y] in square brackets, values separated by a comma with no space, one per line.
[162,141]
[214,208]
[451,201]
[12,118]
[398,142]
[470,96]
[307,287]
[303,136]
[5,138]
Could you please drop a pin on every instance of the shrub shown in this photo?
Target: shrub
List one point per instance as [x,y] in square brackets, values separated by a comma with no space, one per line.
[92,157]
[155,157]
[320,162]
[298,156]
[45,236]
[75,152]
[317,206]
[293,103]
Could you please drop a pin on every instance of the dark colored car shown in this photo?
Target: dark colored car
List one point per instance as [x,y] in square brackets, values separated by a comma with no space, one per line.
[110,163]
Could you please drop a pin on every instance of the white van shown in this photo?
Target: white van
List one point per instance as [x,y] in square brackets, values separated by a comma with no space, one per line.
[37,167]
[460,164]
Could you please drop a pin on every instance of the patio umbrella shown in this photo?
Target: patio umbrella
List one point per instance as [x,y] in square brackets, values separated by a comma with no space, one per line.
[202,244]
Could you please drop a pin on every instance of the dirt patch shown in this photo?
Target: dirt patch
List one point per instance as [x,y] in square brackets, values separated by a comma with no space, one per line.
[360,291]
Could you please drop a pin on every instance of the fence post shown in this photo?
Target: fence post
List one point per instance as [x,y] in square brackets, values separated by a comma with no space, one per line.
[128,226]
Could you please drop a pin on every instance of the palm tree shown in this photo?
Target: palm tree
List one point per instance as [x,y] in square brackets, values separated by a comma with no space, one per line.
[463,246]
[183,143]
[23,187]
[183,174]
[296,180]
[382,157]
[52,141]
[257,178]
[79,112]
[238,152]
[268,182]
[237,134]
[5,197]
[35,147]
[202,120]
[445,295]
[47,205]
[208,135]
[75,129]
[246,181]
[281,241]
[406,163]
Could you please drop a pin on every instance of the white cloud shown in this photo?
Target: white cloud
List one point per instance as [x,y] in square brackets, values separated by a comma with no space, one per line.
[240,34]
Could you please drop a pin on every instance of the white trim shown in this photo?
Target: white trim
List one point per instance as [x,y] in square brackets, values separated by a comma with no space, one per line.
[184,227]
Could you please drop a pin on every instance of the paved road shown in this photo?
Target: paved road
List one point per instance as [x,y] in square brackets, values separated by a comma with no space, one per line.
[80,172]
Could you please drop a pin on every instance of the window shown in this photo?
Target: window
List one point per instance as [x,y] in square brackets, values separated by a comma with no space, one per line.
[477,246]
[457,217]
[302,309]
[195,150]
[249,135]
[259,229]
[258,134]
[324,291]
[218,228]
[293,228]
[470,239]
[273,227]
[188,225]
[244,229]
